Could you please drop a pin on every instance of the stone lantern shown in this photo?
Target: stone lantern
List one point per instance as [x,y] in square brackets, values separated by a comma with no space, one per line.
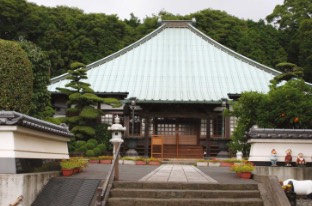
[117,130]
[116,140]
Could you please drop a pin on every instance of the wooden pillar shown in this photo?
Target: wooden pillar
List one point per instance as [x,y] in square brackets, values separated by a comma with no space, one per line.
[208,136]
[146,136]
[126,124]
[227,129]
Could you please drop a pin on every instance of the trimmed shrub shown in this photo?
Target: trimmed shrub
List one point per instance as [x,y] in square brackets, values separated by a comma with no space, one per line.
[16,78]
[93,141]
[102,147]
[90,145]
[97,151]
[83,148]
[90,153]
[80,143]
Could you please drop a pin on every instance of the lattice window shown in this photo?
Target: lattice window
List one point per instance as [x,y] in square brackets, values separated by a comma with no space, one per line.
[233,124]
[107,119]
[168,129]
[187,129]
[137,126]
[203,127]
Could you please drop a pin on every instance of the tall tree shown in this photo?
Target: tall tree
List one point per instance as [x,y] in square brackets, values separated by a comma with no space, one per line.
[83,111]
[41,97]
[287,106]
[16,78]
[292,19]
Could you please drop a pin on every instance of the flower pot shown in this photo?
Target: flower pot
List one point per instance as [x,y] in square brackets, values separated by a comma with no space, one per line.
[139,162]
[76,170]
[153,163]
[105,161]
[94,161]
[67,172]
[214,164]
[129,162]
[202,164]
[226,164]
[245,175]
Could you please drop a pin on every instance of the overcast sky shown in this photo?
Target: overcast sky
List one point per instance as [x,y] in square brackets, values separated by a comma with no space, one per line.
[244,9]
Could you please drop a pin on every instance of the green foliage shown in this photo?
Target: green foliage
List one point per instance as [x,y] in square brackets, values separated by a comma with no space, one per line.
[82,113]
[293,19]
[287,106]
[97,151]
[82,149]
[290,71]
[69,35]
[243,167]
[41,98]
[90,146]
[103,136]
[68,164]
[93,141]
[80,131]
[16,78]
[90,153]
[102,147]
[89,112]
[80,143]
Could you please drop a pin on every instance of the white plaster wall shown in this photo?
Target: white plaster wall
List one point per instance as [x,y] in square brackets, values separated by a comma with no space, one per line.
[19,142]
[261,149]
[27,185]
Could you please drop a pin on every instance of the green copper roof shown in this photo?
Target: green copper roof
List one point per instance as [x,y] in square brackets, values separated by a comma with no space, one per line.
[176,63]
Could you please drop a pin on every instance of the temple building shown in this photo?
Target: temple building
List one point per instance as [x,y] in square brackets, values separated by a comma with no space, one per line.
[174,84]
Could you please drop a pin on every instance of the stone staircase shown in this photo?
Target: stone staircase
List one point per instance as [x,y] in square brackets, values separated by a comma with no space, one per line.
[183,194]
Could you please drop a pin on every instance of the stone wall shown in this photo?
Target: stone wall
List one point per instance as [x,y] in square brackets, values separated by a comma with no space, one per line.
[283,173]
[28,185]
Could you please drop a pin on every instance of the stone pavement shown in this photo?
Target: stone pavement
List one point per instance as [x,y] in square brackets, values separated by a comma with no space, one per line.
[221,175]
[177,173]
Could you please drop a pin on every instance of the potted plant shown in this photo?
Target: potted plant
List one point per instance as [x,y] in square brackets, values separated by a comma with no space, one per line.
[202,163]
[153,161]
[129,160]
[214,163]
[67,167]
[105,159]
[229,162]
[94,160]
[244,169]
[140,161]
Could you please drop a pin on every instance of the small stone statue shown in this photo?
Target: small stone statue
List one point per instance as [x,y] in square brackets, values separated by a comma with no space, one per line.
[288,158]
[300,160]
[273,157]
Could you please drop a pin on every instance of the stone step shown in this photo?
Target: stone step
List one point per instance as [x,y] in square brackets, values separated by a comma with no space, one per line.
[183,202]
[184,186]
[166,194]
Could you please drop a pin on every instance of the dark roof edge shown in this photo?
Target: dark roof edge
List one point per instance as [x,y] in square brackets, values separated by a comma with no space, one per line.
[116,54]
[233,53]
[15,118]
[272,133]
[172,101]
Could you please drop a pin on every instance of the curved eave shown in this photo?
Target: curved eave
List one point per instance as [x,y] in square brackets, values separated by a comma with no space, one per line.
[173,102]
[15,118]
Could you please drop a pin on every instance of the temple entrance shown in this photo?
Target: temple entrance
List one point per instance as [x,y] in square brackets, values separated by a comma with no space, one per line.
[176,138]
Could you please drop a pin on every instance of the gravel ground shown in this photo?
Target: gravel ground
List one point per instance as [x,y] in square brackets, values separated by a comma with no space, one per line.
[303,201]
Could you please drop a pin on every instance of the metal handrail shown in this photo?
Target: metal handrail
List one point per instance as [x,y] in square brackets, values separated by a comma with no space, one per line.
[106,187]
